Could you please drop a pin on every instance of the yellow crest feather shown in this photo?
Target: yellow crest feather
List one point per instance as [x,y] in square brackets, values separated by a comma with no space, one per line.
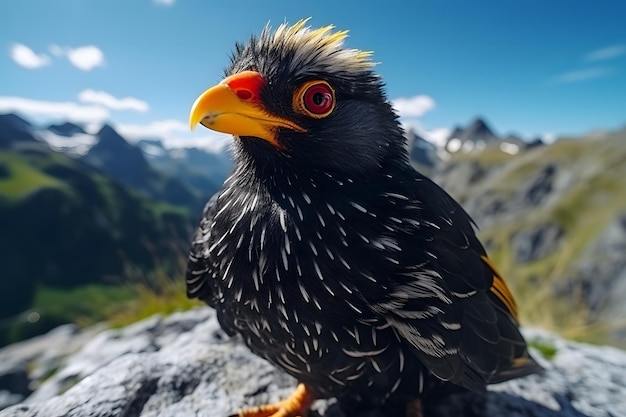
[320,47]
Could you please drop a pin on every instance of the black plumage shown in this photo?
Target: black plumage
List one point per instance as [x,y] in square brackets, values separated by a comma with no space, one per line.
[331,256]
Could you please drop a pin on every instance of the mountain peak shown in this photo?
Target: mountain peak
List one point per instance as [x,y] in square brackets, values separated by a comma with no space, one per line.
[456,132]
[66,129]
[15,131]
[108,138]
[15,120]
[151,141]
[479,130]
[476,136]
[112,150]
[107,131]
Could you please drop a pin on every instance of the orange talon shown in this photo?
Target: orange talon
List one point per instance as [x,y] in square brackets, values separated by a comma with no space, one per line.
[296,405]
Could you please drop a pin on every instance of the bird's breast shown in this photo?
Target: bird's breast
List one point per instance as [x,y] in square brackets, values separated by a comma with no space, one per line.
[293,280]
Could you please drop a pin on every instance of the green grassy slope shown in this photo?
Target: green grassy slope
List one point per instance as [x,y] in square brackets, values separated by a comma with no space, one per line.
[576,187]
[19,179]
[77,245]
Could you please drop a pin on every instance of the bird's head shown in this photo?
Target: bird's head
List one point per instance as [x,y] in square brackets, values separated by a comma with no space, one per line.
[297,94]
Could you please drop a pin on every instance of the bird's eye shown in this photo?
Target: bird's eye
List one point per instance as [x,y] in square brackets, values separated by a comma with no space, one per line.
[314,99]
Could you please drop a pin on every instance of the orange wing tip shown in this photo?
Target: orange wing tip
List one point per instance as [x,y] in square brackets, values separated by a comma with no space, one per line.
[501,290]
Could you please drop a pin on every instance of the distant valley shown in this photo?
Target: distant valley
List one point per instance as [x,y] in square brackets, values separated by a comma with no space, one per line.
[90,214]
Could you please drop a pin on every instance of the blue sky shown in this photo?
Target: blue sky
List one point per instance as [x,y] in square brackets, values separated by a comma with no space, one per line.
[530,67]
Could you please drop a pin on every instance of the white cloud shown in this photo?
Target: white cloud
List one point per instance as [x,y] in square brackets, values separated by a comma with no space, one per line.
[164,2]
[27,58]
[85,58]
[152,129]
[413,106]
[214,142]
[78,144]
[174,134]
[608,52]
[105,99]
[582,75]
[93,106]
[54,109]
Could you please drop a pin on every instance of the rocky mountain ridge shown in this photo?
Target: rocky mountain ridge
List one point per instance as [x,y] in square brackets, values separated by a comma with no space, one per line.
[127,163]
[477,136]
[181,176]
[66,129]
[17,132]
[553,218]
[71,234]
[201,168]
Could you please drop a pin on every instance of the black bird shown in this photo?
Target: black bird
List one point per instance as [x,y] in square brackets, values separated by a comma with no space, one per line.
[327,252]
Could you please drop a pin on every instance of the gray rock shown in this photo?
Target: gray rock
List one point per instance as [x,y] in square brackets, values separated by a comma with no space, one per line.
[476,136]
[575,190]
[25,364]
[536,242]
[599,277]
[541,187]
[184,365]
[146,336]
[14,383]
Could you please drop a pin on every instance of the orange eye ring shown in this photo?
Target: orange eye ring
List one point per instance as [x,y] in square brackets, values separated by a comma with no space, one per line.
[314,99]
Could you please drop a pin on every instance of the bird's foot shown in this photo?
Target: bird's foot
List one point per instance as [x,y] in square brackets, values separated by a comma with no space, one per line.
[296,405]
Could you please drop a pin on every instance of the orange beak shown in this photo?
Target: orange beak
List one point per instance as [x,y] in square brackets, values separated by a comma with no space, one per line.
[234,106]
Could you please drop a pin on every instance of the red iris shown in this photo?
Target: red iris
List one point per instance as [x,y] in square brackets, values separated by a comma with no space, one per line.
[319,99]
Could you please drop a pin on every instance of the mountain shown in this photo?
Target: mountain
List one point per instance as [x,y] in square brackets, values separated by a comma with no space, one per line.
[457,132]
[512,138]
[534,142]
[66,129]
[116,157]
[152,149]
[182,176]
[65,225]
[422,153]
[554,220]
[17,132]
[120,160]
[202,171]
[69,141]
[552,216]
[478,136]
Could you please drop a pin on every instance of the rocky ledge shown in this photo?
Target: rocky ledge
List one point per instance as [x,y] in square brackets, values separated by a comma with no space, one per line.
[184,365]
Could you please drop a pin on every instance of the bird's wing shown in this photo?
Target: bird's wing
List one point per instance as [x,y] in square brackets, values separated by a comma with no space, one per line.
[198,265]
[449,302]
